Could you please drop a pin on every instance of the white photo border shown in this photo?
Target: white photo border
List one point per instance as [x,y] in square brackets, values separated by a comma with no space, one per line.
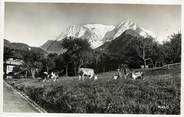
[155,2]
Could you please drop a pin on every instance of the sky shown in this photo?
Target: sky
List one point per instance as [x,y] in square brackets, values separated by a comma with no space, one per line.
[35,23]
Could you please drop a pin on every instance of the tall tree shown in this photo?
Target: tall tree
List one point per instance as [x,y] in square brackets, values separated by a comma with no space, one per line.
[32,62]
[51,62]
[78,51]
[157,54]
[143,47]
[172,48]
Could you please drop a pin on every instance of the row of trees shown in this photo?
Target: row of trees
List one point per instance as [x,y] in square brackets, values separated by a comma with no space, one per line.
[126,49]
[136,51]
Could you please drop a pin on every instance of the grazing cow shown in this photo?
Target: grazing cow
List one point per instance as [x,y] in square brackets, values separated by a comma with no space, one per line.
[137,75]
[86,72]
[115,77]
[54,76]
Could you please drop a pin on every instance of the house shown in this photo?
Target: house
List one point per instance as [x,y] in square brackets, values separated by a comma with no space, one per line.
[10,64]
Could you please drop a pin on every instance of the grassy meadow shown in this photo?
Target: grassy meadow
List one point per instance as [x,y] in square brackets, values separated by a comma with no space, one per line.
[157,93]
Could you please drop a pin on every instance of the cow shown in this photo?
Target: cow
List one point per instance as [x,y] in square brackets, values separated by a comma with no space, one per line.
[83,72]
[137,75]
[115,77]
[53,75]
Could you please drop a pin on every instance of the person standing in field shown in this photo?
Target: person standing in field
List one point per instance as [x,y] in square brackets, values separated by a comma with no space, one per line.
[119,73]
[124,69]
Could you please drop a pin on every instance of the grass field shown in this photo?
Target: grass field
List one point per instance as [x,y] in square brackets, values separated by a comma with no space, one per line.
[157,93]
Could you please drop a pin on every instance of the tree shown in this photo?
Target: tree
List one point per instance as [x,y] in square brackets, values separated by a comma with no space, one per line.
[78,52]
[172,48]
[8,52]
[50,62]
[32,62]
[125,49]
[60,64]
[63,61]
[143,47]
[157,54]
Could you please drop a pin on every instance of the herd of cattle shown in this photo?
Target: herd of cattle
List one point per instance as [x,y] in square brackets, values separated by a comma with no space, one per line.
[88,73]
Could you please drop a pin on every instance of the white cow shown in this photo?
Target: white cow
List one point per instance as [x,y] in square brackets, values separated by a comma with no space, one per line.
[86,72]
[115,77]
[137,75]
[54,76]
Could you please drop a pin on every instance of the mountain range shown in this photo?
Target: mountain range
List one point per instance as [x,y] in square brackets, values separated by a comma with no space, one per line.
[96,34]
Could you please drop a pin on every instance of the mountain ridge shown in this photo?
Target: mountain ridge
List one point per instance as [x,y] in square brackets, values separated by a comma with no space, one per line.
[98,34]
[22,47]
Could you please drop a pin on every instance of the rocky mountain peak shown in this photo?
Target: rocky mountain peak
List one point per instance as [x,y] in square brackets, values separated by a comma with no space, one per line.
[98,34]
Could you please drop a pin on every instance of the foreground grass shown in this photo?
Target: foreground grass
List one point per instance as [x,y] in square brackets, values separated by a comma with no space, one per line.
[158,93]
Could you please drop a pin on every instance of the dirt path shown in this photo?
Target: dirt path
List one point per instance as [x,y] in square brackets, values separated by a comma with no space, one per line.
[13,102]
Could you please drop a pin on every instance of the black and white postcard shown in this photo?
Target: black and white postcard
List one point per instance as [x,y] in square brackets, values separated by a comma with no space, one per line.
[92,58]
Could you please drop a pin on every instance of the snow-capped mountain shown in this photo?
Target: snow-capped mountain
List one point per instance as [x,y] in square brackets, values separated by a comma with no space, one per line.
[98,34]
[99,29]
[74,31]
[94,33]
[127,25]
[123,26]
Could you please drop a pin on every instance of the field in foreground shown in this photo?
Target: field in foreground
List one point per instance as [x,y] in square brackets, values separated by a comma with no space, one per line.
[158,93]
